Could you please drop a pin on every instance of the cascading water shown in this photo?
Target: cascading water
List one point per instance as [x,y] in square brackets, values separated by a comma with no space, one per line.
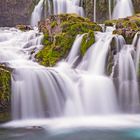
[95,10]
[75,51]
[121,7]
[67,6]
[64,90]
[37,13]
[39,92]
[136,42]
[128,85]
[110,13]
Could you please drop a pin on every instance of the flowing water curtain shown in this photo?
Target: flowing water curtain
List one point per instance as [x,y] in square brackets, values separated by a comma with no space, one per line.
[40,92]
[136,43]
[67,6]
[110,12]
[95,10]
[121,7]
[75,51]
[37,13]
[128,84]
[57,6]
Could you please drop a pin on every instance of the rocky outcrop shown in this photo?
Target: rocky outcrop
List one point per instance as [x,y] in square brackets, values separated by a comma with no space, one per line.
[13,12]
[59,34]
[5,94]
[128,27]
[136,4]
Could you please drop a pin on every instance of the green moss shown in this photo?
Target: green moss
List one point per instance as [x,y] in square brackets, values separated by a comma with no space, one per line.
[5,94]
[87,41]
[23,27]
[110,22]
[128,27]
[53,24]
[46,40]
[127,24]
[59,38]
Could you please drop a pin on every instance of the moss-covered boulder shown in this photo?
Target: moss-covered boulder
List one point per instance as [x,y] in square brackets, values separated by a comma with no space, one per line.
[59,34]
[127,27]
[110,22]
[23,27]
[5,94]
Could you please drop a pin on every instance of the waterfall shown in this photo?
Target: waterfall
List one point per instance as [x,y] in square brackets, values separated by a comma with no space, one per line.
[123,9]
[37,13]
[67,6]
[75,51]
[64,90]
[128,85]
[136,42]
[94,10]
[110,14]
[59,7]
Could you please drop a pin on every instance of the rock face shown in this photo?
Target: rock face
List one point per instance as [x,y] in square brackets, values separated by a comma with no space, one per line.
[13,12]
[5,94]
[136,4]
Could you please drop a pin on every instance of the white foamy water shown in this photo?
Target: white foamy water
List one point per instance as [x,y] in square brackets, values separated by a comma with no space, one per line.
[56,125]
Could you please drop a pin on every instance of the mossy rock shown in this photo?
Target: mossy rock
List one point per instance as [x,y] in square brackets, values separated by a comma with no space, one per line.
[110,22]
[23,27]
[87,41]
[60,32]
[127,27]
[5,94]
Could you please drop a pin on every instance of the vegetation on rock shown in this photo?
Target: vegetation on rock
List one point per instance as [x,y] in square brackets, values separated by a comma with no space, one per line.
[59,34]
[127,27]
[23,27]
[5,93]
[87,41]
